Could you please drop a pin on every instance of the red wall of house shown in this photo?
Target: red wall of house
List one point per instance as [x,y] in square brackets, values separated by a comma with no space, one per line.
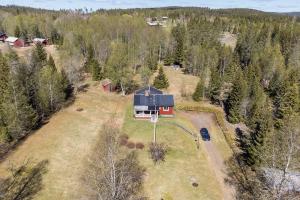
[19,43]
[170,112]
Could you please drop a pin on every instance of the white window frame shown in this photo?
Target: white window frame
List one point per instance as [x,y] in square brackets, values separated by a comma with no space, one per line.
[168,108]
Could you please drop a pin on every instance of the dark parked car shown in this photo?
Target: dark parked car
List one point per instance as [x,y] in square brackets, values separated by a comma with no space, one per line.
[204,134]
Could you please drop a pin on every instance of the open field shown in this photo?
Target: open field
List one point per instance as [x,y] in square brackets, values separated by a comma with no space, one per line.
[184,162]
[24,52]
[180,81]
[66,141]
[229,39]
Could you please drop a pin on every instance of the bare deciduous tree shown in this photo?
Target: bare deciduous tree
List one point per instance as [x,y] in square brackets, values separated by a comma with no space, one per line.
[113,174]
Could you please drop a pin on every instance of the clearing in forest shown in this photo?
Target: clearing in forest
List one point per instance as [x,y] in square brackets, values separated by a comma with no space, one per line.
[66,140]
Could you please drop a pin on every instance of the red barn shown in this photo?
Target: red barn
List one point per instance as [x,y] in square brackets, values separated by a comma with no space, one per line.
[3,36]
[16,42]
[149,101]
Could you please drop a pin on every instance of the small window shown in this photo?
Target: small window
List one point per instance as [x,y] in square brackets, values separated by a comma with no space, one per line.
[166,108]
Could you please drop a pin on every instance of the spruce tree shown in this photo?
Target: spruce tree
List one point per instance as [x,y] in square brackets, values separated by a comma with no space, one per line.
[235,99]
[262,129]
[96,70]
[199,93]
[178,33]
[17,31]
[161,81]
[51,63]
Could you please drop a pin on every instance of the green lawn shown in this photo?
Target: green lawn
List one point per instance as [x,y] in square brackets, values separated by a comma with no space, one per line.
[184,162]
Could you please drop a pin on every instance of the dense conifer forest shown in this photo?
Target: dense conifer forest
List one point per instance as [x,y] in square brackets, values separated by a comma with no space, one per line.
[257,82]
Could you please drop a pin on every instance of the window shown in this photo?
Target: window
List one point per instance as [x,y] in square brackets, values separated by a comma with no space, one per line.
[166,108]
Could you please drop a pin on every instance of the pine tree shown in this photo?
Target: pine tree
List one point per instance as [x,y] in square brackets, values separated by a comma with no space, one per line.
[178,33]
[96,70]
[51,63]
[263,128]
[18,115]
[161,81]
[199,93]
[17,31]
[4,86]
[41,53]
[235,99]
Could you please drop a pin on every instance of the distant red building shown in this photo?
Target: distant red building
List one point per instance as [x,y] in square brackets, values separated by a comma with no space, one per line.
[3,36]
[16,42]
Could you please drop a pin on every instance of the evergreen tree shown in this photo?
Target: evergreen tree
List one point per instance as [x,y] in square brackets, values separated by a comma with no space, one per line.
[235,99]
[178,33]
[17,31]
[41,53]
[51,63]
[18,115]
[96,70]
[263,128]
[199,93]
[161,81]
[50,90]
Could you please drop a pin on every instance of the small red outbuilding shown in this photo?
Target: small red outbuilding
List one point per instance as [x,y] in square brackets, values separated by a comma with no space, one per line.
[107,85]
[16,42]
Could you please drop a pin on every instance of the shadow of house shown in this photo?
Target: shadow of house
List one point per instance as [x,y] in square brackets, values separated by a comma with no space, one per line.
[25,181]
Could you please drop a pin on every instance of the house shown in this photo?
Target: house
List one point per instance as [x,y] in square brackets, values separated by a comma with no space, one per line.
[16,42]
[149,101]
[40,41]
[3,36]
[107,85]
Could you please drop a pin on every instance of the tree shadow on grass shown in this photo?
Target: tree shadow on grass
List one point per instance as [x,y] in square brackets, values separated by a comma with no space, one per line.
[24,182]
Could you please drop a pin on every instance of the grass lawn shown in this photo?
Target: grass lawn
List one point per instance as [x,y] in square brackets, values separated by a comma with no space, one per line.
[184,162]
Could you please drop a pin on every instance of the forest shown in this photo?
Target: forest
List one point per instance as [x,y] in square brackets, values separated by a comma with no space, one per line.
[257,83]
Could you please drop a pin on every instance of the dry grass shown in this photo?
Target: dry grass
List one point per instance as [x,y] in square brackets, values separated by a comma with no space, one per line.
[66,141]
[229,39]
[180,81]
[184,164]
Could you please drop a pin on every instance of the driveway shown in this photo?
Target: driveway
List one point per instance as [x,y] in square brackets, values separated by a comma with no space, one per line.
[213,149]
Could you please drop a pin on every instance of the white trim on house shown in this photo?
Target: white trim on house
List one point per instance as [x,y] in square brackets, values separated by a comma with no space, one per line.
[167,108]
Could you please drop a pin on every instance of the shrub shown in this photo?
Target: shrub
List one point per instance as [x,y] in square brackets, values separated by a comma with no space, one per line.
[123,140]
[130,145]
[157,152]
[139,145]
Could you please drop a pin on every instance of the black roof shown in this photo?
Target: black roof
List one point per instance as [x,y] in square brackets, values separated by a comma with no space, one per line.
[157,100]
[152,90]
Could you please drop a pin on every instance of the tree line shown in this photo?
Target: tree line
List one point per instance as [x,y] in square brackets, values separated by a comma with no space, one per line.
[30,93]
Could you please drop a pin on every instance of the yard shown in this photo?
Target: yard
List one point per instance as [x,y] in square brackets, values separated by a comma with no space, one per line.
[184,163]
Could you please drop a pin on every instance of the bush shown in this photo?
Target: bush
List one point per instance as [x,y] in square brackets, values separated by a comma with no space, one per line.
[157,152]
[123,140]
[130,145]
[139,145]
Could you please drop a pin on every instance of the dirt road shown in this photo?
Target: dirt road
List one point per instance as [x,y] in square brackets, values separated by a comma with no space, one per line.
[213,149]
[66,141]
